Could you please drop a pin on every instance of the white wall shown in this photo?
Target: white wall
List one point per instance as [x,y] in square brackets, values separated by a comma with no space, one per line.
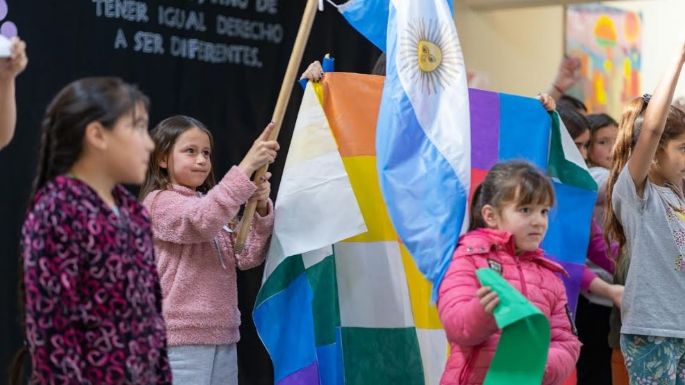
[520,49]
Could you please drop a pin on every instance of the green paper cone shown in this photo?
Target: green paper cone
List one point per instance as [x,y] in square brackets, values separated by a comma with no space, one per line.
[521,354]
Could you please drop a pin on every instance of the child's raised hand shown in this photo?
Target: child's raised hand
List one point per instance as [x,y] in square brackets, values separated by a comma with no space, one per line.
[12,66]
[488,299]
[313,73]
[263,152]
[568,74]
[547,102]
[263,193]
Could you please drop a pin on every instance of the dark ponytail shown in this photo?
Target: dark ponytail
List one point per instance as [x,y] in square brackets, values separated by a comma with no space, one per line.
[475,216]
[100,99]
[80,103]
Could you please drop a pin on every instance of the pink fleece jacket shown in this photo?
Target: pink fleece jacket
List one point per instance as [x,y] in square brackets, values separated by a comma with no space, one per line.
[473,333]
[196,261]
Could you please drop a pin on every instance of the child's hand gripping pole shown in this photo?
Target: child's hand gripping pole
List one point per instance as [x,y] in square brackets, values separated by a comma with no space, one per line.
[279,111]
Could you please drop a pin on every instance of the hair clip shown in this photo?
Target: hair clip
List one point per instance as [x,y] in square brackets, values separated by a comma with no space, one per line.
[646,98]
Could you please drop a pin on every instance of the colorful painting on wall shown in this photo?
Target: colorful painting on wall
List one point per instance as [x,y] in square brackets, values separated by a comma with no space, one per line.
[608,42]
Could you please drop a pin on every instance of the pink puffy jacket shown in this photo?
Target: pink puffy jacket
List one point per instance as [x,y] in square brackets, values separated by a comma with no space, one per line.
[473,333]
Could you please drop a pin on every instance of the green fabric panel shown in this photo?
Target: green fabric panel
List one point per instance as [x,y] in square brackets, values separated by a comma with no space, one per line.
[382,356]
[285,273]
[325,304]
[559,167]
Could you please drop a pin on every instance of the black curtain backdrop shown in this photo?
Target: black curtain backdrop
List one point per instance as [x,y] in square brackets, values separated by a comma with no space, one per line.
[221,61]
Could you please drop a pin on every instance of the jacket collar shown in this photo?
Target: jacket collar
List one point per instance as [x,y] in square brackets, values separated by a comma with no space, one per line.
[184,190]
[80,188]
[486,240]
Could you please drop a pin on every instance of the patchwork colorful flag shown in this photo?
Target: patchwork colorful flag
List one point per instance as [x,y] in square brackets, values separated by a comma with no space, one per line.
[506,127]
[336,308]
[342,301]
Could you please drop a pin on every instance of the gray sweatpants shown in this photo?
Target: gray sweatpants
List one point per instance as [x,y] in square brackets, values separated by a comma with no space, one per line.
[204,364]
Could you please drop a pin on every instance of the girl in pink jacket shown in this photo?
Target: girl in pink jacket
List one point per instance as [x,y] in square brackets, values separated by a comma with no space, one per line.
[509,214]
[193,237]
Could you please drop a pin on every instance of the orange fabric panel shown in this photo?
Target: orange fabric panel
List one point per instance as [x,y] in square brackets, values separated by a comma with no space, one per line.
[351,103]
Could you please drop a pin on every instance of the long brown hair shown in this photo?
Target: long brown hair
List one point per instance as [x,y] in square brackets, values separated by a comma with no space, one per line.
[628,133]
[165,135]
[510,182]
[98,99]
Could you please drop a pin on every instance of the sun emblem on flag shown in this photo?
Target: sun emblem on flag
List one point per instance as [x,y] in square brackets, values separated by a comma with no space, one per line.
[429,53]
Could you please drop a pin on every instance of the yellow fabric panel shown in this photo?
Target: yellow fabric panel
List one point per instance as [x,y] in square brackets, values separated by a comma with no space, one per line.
[425,313]
[364,177]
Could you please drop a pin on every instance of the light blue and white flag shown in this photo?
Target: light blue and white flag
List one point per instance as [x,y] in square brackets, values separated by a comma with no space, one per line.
[423,135]
[370,18]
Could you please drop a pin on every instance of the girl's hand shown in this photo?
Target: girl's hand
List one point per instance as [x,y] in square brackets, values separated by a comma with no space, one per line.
[313,73]
[547,102]
[488,299]
[262,194]
[263,152]
[615,294]
[12,66]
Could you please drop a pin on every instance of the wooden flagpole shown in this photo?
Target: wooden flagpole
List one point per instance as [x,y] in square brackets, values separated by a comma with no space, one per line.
[279,111]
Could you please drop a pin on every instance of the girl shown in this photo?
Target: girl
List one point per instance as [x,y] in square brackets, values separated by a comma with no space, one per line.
[598,253]
[508,222]
[598,295]
[92,295]
[194,245]
[603,131]
[645,214]
[578,126]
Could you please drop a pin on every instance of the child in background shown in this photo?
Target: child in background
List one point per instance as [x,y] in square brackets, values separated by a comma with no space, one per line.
[578,126]
[509,217]
[645,215]
[603,131]
[92,295]
[598,253]
[598,294]
[192,221]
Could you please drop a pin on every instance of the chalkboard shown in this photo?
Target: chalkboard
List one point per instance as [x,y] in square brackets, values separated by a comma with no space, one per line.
[221,61]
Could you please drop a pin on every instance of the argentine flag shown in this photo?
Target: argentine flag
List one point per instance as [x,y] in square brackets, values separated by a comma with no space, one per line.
[370,18]
[423,134]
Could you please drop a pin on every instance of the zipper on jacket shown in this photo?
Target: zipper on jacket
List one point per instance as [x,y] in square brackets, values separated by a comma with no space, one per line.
[522,279]
[220,255]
